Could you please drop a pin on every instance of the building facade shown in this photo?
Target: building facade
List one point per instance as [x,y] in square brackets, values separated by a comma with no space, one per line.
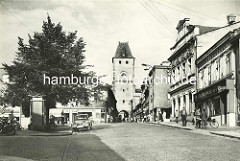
[100,109]
[141,107]
[235,45]
[217,85]
[192,42]
[123,75]
[159,86]
[183,69]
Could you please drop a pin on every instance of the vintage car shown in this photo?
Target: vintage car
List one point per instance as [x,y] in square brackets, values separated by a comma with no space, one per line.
[81,121]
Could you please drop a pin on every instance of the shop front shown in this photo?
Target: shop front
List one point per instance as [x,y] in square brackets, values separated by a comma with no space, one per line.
[218,101]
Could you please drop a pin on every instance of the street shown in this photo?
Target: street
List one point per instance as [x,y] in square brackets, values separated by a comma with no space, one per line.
[123,141]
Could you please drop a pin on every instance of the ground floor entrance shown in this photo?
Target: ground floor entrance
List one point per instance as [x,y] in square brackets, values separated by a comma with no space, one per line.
[218,101]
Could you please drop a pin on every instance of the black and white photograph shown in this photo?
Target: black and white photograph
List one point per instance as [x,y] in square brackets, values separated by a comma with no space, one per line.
[120,80]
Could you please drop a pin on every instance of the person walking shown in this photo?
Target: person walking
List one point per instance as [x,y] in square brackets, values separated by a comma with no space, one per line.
[160,116]
[177,115]
[193,117]
[197,117]
[204,118]
[184,116]
[164,115]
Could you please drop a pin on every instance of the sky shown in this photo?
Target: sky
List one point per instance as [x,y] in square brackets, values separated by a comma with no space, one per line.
[148,25]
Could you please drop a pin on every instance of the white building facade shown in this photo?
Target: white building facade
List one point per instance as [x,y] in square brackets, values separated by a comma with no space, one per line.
[183,69]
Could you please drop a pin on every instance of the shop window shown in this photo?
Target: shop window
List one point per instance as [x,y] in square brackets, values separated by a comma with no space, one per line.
[216,107]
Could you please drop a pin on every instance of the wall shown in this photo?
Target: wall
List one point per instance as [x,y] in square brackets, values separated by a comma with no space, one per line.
[123,91]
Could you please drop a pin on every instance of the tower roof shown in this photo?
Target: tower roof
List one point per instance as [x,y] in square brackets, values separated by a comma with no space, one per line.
[123,51]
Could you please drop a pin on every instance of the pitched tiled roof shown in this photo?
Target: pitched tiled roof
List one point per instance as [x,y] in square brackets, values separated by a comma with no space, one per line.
[123,51]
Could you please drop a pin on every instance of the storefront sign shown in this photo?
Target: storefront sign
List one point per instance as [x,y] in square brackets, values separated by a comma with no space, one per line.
[211,91]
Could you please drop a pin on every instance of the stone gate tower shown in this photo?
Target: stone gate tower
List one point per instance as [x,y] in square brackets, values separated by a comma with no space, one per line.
[123,74]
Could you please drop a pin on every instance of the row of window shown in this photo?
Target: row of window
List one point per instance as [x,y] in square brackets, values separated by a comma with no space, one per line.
[182,69]
[215,71]
[120,62]
[212,55]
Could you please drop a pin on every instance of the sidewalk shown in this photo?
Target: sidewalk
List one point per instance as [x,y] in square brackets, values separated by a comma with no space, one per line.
[61,130]
[232,132]
[10,158]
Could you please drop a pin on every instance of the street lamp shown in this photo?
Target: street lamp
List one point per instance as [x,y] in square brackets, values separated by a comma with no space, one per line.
[148,66]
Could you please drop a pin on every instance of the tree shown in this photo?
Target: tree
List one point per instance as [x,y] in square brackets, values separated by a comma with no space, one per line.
[52,53]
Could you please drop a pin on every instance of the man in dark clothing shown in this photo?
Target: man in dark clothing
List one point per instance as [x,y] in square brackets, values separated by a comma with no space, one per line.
[184,116]
[204,118]
[177,115]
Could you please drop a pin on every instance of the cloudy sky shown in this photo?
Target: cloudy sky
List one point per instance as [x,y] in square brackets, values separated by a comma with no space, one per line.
[148,25]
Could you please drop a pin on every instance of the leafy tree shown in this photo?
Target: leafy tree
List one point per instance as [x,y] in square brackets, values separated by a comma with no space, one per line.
[51,52]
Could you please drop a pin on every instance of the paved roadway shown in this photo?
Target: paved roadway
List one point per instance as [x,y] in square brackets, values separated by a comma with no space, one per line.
[123,141]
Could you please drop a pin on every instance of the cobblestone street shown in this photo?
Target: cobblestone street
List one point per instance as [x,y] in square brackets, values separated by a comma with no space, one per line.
[123,141]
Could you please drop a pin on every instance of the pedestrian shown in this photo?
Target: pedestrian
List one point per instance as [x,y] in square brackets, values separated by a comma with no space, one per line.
[150,118]
[193,117]
[160,116]
[144,119]
[177,115]
[184,116]
[164,116]
[197,118]
[204,117]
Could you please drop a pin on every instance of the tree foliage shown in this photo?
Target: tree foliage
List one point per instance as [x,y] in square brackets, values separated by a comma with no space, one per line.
[51,52]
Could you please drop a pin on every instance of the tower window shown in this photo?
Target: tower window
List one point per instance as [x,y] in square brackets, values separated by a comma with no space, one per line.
[120,62]
[123,101]
[126,62]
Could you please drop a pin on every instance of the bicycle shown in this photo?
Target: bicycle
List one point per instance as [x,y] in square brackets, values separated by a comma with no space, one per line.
[203,123]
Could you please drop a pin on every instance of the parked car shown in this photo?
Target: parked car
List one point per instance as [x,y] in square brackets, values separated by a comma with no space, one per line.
[81,121]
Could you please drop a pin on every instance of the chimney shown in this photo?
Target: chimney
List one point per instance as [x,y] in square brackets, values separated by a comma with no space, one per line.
[231,19]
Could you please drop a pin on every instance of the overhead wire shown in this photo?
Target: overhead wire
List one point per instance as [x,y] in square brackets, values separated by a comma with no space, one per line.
[160,15]
[15,17]
[157,18]
[181,9]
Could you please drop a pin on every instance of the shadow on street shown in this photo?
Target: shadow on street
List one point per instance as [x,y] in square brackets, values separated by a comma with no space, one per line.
[84,147]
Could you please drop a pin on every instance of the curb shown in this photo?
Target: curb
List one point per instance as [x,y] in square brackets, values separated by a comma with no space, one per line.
[12,158]
[225,135]
[53,134]
[188,128]
[179,127]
